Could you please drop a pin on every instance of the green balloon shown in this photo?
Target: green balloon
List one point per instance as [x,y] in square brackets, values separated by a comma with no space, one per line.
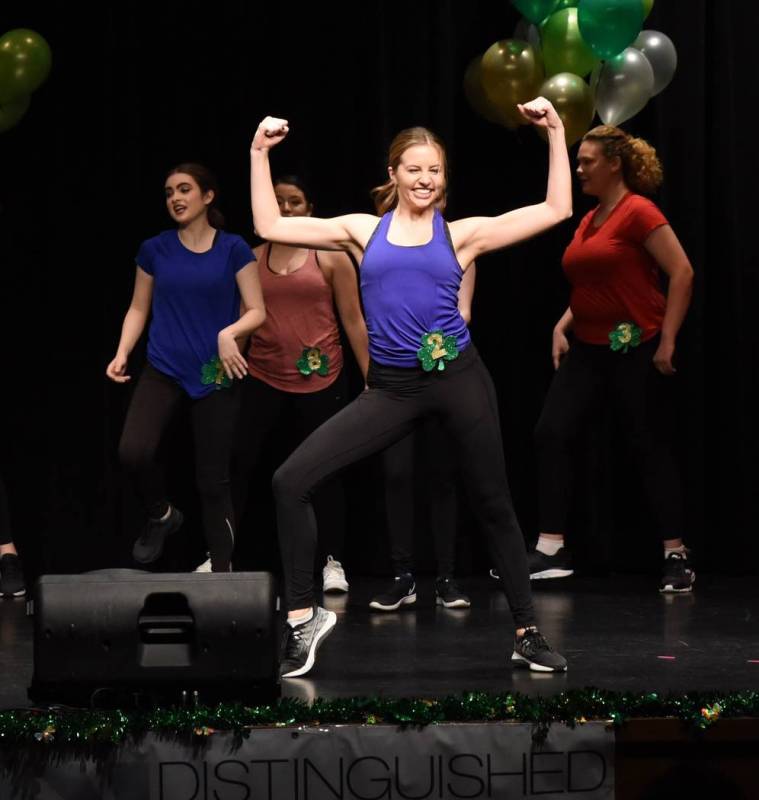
[608,26]
[567,4]
[11,112]
[563,47]
[25,60]
[535,10]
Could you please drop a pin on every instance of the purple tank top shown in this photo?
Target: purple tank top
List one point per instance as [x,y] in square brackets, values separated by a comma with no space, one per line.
[410,291]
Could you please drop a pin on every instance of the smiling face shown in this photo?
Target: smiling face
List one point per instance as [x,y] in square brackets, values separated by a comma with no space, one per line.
[184,199]
[419,176]
[597,173]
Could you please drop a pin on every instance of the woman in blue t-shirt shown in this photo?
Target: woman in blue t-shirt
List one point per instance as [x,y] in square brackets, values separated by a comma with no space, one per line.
[410,278]
[192,279]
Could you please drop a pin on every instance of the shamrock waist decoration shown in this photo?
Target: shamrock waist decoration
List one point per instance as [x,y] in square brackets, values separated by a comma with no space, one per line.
[624,336]
[313,360]
[213,372]
[436,349]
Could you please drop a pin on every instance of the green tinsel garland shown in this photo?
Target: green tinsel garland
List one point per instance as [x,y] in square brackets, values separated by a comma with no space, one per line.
[81,727]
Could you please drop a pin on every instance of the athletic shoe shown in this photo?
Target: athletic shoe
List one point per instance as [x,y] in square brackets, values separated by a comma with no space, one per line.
[678,575]
[543,566]
[448,594]
[401,592]
[333,576]
[302,641]
[533,651]
[205,566]
[149,546]
[11,576]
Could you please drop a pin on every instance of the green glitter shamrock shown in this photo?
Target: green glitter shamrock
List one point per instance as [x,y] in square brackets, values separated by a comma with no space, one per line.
[436,349]
[624,336]
[213,372]
[312,360]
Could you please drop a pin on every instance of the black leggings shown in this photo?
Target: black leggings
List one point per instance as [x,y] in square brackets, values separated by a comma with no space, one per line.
[268,411]
[635,392]
[5,522]
[214,417]
[464,398]
[403,477]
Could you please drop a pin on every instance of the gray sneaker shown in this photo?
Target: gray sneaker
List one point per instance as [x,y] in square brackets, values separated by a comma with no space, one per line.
[302,641]
[533,651]
[149,546]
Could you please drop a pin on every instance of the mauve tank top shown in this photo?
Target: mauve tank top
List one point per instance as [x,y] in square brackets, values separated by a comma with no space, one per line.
[410,291]
[299,315]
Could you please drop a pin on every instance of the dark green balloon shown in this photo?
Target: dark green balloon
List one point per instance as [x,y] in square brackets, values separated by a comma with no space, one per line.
[608,26]
[535,10]
[25,61]
[11,112]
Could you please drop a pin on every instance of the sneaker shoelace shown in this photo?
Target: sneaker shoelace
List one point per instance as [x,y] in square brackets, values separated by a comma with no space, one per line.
[533,642]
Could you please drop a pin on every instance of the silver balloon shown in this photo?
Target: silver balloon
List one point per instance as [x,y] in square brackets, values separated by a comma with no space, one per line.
[527,32]
[661,54]
[625,84]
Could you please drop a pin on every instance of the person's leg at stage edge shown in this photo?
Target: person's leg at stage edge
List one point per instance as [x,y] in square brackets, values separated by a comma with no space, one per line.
[469,410]
[370,423]
[12,582]
[642,408]
[442,490]
[214,420]
[155,399]
[398,474]
[574,393]
[311,410]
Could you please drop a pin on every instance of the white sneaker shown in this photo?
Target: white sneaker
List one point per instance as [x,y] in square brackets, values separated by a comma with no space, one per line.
[333,576]
[205,566]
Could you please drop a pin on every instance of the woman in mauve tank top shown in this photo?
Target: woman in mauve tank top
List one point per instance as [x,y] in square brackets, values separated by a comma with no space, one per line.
[296,379]
[422,361]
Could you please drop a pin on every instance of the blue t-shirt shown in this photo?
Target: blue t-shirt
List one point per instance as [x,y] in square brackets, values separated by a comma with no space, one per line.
[195,295]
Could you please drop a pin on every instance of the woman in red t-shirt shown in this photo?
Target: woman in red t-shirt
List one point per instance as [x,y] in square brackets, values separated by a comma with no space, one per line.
[624,331]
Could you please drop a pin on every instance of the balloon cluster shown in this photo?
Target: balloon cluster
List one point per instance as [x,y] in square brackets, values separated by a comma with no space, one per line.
[556,46]
[24,64]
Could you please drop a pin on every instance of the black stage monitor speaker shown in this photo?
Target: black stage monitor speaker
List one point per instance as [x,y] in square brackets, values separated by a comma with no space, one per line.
[165,636]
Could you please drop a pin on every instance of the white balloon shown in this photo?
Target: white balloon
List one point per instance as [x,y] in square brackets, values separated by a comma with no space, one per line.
[624,86]
[661,54]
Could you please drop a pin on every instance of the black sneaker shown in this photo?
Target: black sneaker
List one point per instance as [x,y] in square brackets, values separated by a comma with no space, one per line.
[543,566]
[678,573]
[533,651]
[448,594]
[302,641]
[149,546]
[11,576]
[400,593]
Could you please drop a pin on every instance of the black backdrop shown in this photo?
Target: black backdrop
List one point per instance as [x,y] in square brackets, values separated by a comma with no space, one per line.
[138,87]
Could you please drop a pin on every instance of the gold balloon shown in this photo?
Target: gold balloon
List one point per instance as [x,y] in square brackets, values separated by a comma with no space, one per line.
[511,74]
[573,101]
[475,93]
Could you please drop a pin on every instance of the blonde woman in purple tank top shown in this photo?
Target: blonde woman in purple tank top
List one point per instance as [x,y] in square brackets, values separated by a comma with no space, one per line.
[410,276]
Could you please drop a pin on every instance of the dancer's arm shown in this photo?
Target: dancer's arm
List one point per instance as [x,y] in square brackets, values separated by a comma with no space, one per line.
[349,232]
[466,292]
[254,315]
[341,274]
[560,343]
[133,325]
[477,235]
[665,247]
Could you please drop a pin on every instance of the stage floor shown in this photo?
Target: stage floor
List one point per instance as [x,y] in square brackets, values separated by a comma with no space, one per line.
[617,633]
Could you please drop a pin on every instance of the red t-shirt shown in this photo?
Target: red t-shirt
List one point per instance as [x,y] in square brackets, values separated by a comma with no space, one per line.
[614,278]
